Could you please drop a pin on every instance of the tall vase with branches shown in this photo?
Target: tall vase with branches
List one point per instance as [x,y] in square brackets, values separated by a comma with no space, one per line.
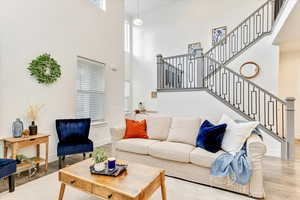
[32,115]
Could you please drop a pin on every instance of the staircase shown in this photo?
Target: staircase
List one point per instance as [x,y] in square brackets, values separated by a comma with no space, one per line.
[209,72]
[250,31]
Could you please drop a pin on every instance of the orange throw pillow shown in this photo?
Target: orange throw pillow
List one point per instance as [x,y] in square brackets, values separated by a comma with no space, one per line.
[135,129]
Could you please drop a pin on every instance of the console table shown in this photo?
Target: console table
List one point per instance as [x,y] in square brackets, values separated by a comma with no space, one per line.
[14,144]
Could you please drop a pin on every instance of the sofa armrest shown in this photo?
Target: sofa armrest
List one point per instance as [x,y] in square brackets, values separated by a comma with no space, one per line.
[256,150]
[117,134]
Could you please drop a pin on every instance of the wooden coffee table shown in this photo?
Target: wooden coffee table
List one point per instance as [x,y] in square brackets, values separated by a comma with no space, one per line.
[139,182]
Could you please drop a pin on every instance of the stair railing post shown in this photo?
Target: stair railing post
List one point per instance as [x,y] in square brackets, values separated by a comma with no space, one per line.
[200,69]
[159,61]
[290,128]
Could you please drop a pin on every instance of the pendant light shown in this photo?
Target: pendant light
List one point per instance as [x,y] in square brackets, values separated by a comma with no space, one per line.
[138,21]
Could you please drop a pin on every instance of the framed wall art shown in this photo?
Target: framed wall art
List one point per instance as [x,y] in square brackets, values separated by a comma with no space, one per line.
[195,49]
[250,70]
[218,34]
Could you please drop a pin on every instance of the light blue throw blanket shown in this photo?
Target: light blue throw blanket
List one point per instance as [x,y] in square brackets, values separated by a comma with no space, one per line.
[237,166]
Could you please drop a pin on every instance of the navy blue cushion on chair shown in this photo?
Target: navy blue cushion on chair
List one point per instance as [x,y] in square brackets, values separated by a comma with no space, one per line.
[7,167]
[210,136]
[68,148]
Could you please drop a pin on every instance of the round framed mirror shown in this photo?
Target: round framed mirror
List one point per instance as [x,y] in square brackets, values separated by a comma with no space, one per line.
[249,70]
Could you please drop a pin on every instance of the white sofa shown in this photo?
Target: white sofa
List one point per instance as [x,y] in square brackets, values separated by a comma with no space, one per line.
[182,159]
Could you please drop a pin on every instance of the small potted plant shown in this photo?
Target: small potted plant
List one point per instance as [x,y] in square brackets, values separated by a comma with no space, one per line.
[99,157]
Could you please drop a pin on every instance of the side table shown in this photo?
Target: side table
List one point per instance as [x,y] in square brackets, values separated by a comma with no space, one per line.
[14,144]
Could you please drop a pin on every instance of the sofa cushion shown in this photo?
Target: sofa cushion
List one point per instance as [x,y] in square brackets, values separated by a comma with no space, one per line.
[171,151]
[136,129]
[184,130]
[135,145]
[203,158]
[210,136]
[158,127]
[236,134]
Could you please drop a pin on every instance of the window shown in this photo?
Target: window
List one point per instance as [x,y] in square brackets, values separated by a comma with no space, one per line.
[127,37]
[127,102]
[100,3]
[90,87]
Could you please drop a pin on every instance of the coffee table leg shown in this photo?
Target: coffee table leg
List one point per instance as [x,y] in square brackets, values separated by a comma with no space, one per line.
[62,191]
[163,186]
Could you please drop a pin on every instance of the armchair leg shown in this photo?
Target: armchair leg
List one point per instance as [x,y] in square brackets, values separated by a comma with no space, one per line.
[60,160]
[84,156]
[91,154]
[63,158]
[11,183]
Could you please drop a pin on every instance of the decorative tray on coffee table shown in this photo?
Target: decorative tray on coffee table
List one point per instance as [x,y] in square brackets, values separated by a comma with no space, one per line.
[116,172]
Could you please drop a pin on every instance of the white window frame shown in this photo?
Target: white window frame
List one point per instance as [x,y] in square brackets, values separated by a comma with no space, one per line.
[128,107]
[91,91]
[127,36]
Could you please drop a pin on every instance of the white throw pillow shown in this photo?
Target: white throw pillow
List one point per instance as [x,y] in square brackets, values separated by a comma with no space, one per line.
[184,130]
[236,134]
[158,127]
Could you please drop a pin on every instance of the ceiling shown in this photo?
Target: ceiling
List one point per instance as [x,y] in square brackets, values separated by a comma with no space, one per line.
[145,5]
[289,35]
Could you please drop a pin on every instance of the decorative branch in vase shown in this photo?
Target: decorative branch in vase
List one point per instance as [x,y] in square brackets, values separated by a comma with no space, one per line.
[32,115]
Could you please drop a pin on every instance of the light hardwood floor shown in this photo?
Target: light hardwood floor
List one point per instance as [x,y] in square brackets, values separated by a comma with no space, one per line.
[282,178]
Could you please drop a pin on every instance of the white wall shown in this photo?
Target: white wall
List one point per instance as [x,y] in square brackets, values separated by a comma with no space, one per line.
[168,30]
[203,105]
[289,83]
[266,55]
[65,29]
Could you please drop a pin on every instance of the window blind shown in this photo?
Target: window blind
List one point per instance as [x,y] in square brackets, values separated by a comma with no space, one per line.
[90,98]
[127,37]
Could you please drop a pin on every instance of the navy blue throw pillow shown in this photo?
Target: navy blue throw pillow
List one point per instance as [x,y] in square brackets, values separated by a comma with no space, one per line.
[210,136]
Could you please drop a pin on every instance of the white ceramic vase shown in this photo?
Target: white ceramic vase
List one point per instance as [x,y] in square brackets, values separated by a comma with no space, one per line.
[99,166]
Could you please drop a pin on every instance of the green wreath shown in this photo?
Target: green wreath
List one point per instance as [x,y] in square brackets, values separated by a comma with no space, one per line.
[45,69]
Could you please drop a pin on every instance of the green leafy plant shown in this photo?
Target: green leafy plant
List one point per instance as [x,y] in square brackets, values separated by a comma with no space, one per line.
[23,158]
[99,155]
[45,69]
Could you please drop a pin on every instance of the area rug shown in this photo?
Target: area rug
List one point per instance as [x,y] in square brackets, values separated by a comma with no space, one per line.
[47,188]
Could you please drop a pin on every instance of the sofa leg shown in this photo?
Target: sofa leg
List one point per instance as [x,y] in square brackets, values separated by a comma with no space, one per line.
[11,183]
[60,160]
[84,156]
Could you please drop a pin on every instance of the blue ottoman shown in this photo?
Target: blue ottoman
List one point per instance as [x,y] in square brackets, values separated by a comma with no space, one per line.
[7,169]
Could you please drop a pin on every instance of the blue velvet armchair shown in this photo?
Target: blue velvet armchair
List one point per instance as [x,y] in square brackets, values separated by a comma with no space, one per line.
[73,135]
[7,169]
